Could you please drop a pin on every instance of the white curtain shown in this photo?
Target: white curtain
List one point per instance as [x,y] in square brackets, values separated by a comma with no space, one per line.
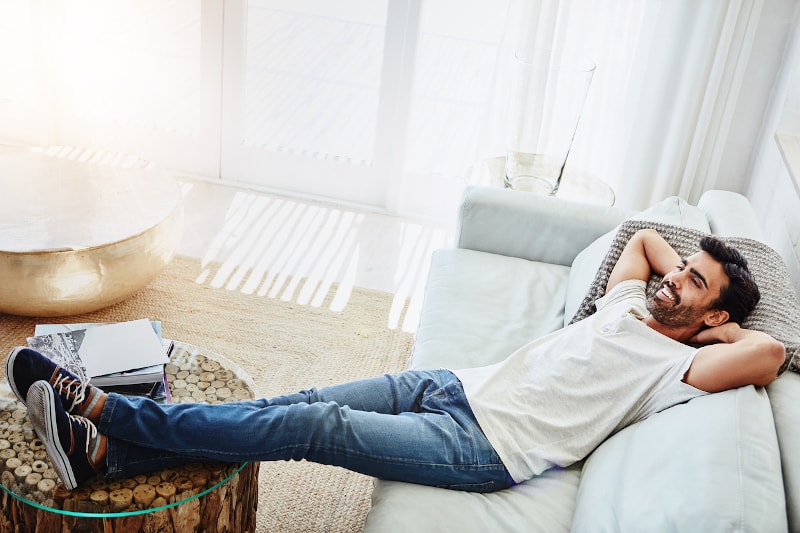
[685,83]
[656,122]
[668,78]
[138,77]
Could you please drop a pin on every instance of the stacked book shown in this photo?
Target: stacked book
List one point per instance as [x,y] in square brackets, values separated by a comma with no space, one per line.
[125,357]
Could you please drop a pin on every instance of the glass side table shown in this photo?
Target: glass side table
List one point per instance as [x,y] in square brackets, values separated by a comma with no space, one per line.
[575,186]
[193,497]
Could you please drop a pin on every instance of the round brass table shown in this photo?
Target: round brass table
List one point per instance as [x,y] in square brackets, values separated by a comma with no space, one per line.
[80,233]
[194,497]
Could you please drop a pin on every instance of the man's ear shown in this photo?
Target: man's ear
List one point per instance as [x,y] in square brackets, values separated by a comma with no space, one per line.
[716,317]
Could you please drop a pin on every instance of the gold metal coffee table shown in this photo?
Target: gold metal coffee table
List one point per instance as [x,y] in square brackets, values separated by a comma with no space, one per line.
[195,497]
[80,231]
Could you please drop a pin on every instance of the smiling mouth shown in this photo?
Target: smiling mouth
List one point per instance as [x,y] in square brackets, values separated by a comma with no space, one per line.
[666,293]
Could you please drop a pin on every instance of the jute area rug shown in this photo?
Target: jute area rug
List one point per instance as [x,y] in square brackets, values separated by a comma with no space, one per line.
[284,347]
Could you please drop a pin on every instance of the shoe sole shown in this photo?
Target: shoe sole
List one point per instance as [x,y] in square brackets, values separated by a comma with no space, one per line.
[43,418]
[10,375]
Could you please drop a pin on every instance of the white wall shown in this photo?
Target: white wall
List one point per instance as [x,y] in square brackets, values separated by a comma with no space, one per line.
[772,190]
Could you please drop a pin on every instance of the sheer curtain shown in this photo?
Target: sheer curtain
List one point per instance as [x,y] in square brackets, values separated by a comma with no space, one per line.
[132,76]
[668,78]
[147,77]
[686,78]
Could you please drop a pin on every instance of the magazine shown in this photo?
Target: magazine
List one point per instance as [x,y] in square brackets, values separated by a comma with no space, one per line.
[122,353]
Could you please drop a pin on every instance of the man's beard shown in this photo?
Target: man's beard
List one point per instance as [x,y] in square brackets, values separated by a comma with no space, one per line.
[673,315]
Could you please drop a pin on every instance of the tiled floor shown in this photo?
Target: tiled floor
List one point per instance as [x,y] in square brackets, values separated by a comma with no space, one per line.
[301,251]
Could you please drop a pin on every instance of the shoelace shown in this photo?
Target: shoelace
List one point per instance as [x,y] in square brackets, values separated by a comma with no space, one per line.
[71,388]
[91,436]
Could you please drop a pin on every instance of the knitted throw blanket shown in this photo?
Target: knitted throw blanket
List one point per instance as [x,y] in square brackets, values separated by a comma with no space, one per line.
[778,311]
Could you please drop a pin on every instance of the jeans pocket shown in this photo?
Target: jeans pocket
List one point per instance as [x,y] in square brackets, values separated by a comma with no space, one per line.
[489,486]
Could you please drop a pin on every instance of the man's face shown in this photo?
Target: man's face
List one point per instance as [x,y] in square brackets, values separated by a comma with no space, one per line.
[687,293]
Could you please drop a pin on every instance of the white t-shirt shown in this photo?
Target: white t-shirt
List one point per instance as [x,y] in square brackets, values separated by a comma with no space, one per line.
[553,401]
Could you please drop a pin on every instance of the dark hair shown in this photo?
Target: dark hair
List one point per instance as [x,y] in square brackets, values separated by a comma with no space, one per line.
[740,296]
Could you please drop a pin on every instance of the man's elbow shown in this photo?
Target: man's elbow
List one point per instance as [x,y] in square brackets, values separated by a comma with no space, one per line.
[773,357]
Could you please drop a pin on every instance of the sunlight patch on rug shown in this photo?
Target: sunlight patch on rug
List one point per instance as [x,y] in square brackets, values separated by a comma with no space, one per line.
[313,254]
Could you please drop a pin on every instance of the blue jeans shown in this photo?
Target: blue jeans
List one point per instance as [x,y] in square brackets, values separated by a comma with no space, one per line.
[416,426]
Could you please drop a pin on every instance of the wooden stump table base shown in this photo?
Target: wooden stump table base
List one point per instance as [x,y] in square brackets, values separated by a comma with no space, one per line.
[229,508]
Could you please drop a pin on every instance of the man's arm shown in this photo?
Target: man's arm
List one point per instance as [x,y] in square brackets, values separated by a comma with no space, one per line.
[645,253]
[734,357]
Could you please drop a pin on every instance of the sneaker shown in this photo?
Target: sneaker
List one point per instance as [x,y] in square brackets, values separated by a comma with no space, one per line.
[25,366]
[71,441]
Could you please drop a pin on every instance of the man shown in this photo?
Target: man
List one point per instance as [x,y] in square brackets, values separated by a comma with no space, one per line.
[547,405]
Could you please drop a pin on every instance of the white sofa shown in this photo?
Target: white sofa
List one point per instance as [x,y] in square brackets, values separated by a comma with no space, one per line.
[519,269]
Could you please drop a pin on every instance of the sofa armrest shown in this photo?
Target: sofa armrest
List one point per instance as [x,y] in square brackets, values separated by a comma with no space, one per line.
[730,215]
[529,226]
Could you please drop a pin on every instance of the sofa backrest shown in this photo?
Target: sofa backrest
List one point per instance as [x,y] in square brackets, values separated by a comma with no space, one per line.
[730,215]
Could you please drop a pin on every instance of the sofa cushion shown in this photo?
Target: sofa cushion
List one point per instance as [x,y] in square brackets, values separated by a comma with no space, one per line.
[541,505]
[480,307]
[673,210]
[711,464]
